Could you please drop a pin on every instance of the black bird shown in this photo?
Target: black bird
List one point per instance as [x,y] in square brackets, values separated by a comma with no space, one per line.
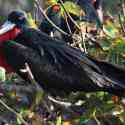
[54,14]
[54,64]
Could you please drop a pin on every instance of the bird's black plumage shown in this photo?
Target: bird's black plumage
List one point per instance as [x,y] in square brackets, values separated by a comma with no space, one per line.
[56,65]
[60,21]
[54,16]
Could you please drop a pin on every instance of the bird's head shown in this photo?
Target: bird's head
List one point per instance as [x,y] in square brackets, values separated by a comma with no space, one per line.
[18,18]
[10,29]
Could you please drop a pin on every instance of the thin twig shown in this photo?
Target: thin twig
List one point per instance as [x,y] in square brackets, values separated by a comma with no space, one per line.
[65,104]
[97,121]
[121,24]
[40,91]
[73,21]
[123,7]
[32,79]
[123,11]
[68,26]
[83,35]
[13,111]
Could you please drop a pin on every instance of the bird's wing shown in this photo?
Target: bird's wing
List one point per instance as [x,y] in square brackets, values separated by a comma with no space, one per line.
[112,71]
[54,47]
[100,72]
[59,50]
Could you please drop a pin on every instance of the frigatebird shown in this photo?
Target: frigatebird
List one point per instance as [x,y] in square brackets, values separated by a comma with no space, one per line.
[54,14]
[54,64]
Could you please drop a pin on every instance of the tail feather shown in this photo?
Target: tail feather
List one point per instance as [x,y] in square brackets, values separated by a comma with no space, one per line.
[110,70]
[113,77]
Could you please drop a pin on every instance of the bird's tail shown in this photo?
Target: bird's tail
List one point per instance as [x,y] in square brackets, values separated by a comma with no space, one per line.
[112,78]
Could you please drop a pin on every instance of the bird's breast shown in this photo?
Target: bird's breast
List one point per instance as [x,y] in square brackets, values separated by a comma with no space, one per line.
[3,62]
[4,38]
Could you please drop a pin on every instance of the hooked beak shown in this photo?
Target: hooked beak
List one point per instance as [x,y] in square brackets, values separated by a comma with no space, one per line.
[7,26]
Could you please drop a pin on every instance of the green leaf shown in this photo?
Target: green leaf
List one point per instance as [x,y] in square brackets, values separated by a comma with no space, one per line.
[110,29]
[52,2]
[2,18]
[71,8]
[83,120]
[31,21]
[59,120]
[39,97]
[2,74]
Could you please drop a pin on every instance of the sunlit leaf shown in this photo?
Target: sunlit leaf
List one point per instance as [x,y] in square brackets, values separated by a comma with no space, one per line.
[110,29]
[39,97]
[2,18]
[23,113]
[71,8]
[2,74]
[52,2]
[59,120]
[31,21]
[66,123]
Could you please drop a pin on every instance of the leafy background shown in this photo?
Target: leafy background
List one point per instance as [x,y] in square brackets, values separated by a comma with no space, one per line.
[98,108]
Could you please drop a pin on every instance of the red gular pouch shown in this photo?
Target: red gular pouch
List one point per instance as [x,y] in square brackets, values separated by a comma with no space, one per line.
[10,35]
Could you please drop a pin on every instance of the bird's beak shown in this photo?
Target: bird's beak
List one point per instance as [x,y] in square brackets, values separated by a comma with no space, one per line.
[6,27]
